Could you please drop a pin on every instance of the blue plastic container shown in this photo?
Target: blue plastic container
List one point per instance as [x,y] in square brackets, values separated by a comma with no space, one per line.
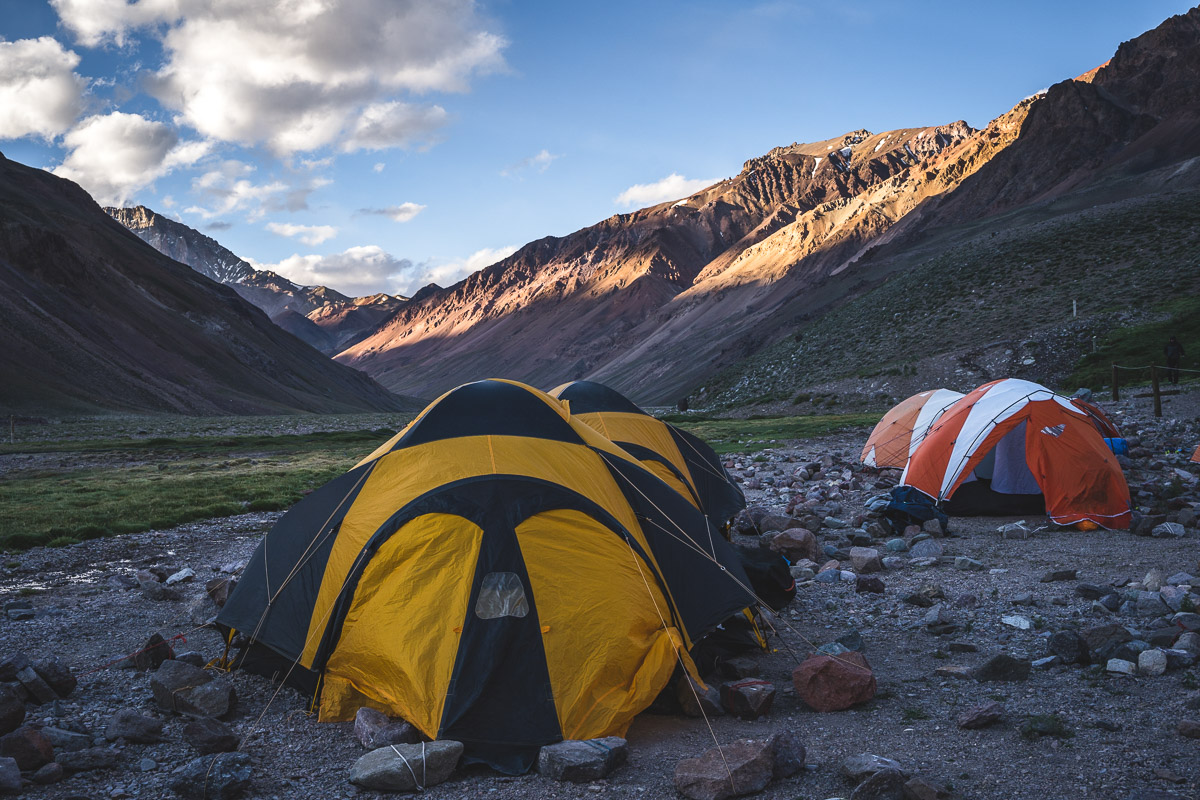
[1118,446]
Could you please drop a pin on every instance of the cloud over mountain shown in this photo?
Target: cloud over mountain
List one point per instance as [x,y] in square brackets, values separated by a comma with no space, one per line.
[672,187]
[40,94]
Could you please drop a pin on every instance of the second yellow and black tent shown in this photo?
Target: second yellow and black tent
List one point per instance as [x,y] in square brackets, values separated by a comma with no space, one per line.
[684,461]
[498,573]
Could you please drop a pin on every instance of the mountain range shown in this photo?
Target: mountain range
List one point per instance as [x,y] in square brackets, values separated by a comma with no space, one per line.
[92,319]
[899,259]
[658,302]
[328,320]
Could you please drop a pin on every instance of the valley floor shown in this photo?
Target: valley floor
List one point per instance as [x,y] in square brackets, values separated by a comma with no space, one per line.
[1123,730]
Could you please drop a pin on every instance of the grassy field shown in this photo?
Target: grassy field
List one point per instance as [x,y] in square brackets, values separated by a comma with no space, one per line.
[1142,345]
[61,492]
[77,490]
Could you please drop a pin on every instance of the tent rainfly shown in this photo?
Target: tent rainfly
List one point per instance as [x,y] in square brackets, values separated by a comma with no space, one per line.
[902,429]
[497,573]
[1011,441]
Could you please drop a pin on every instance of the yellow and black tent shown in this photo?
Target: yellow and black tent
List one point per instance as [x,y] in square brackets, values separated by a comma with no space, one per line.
[684,461]
[497,573]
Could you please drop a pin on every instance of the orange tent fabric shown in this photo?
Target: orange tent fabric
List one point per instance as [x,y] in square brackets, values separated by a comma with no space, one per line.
[901,430]
[1103,423]
[1196,456]
[1062,451]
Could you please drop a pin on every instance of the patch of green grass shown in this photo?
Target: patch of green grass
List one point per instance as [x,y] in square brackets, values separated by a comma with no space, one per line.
[910,714]
[28,591]
[745,435]
[174,481]
[1142,345]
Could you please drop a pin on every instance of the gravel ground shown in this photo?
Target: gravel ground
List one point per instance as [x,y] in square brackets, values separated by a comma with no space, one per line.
[1124,736]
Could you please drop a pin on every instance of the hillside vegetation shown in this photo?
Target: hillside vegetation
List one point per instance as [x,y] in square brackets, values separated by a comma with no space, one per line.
[1133,268]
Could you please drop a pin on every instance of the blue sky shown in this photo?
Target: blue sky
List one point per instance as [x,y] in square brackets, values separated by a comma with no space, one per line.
[375,145]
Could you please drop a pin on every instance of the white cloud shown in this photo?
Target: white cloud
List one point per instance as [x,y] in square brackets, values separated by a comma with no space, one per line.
[448,273]
[114,155]
[672,187]
[401,213]
[229,188]
[378,167]
[539,162]
[40,94]
[357,271]
[302,74]
[311,235]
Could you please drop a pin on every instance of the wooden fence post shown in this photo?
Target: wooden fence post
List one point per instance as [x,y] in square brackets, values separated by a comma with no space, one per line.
[1116,380]
[1154,388]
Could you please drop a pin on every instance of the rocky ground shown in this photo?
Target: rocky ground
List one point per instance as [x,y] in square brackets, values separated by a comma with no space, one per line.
[1064,730]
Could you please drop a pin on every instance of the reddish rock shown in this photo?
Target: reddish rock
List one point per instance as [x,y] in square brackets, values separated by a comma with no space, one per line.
[981,716]
[744,767]
[796,544]
[834,683]
[27,747]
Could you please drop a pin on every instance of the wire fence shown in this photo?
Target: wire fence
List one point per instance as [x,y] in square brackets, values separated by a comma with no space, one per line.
[1156,372]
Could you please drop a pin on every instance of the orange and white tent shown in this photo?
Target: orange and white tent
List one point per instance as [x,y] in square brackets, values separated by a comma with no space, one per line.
[1023,439]
[1106,426]
[902,429]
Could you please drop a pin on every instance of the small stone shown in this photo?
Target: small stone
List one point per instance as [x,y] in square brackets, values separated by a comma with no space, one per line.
[934,526]
[789,755]
[1179,659]
[954,671]
[208,736]
[1023,599]
[962,647]
[374,729]
[865,559]
[927,548]
[743,767]
[1046,662]
[1102,641]
[153,653]
[48,774]
[748,699]
[857,769]
[10,776]
[64,740]
[919,788]
[183,575]
[896,546]
[796,544]
[1189,641]
[582,761]
[887,784]
[394,768]
[132,726]
[1189,728]
[147,765]
[1018,622]
[27,747]
[738,667]
[37,688]
[1169,529]
[869,584]
[1152,663]
[1014,530]
[12,710]
[834,683]
[966,563]
[697,700]
[1068,646]
[981,716]
[225,776]
[1002,667]
[1058,575]
[89,760]
[56,675]
[1119,666]
[1091,591]
[219,589]
[185,689]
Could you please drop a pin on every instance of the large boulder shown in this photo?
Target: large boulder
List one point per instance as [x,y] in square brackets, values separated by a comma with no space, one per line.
[10,776]
[56,674]
[742,767]
[89,759]
[407,767]
[834,683]
[859,768]
[208,736]
[582,761]
[221,777]
[697,700]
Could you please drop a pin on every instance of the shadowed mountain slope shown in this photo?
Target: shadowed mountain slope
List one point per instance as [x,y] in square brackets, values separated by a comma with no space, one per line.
[93,319]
